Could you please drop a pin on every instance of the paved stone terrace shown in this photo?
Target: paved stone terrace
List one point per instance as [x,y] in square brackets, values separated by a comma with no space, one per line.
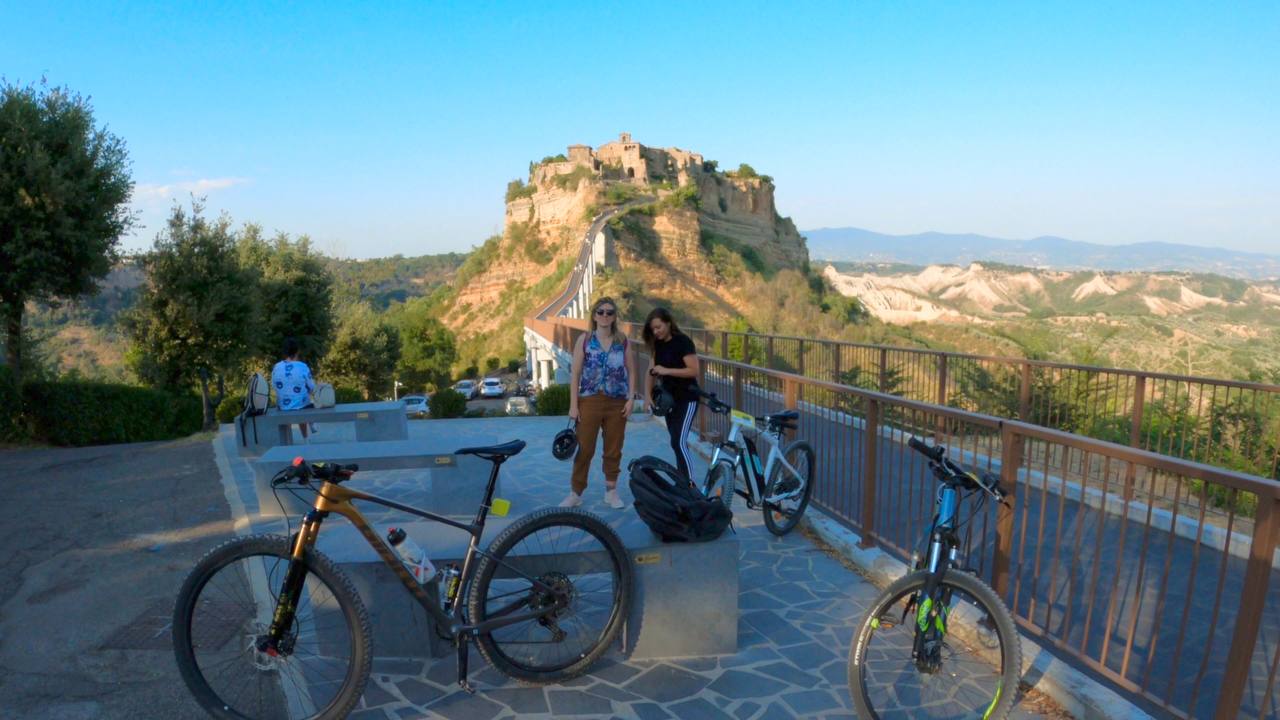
[798,610]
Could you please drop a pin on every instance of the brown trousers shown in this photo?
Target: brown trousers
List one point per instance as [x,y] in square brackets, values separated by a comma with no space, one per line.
[596,413]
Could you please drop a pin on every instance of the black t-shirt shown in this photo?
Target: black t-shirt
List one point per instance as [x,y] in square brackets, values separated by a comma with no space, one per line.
[671,354]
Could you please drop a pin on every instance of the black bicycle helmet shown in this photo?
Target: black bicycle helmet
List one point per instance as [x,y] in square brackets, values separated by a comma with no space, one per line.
[663,401]
[565,445]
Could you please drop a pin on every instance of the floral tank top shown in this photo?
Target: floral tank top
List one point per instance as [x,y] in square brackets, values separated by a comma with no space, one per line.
[604,372]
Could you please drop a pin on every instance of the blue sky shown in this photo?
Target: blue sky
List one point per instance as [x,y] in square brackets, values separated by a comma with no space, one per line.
[379,128]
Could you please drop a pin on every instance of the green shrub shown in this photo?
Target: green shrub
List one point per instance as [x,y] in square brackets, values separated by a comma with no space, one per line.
[448,403]
[554,400]
[513,365]
[516,189]
[474,413]
[10,409]
[229,408]
[342,395]
[492,363]
[90,413]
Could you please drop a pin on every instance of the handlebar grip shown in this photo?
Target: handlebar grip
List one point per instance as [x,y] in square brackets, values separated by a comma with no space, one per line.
[933,453]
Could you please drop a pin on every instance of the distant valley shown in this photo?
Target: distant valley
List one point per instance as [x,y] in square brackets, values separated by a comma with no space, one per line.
[858,245]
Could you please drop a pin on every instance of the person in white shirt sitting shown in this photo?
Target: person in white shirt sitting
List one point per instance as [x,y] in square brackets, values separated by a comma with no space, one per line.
[293,382]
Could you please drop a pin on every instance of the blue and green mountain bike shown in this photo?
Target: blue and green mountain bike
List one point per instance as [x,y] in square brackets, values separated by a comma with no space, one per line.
[938,642]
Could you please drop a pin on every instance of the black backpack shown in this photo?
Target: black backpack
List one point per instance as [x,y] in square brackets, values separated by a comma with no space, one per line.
[671,506]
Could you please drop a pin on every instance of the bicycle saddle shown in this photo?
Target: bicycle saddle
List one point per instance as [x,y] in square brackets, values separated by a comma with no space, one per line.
[493,452]
[783,416]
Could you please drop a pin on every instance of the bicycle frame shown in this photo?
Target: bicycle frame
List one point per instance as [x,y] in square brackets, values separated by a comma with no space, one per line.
[335,498]
[741,449]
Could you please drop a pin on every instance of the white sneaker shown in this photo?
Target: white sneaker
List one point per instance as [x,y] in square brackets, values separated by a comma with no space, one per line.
[574,500]
[612,500]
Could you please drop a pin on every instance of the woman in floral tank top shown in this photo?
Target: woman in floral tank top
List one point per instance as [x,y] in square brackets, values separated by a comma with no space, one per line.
[600,394]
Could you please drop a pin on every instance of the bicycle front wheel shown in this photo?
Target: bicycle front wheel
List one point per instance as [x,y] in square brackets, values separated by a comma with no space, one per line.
[719,484]
[787,493]
[967,657]
[582,566]
[226,606]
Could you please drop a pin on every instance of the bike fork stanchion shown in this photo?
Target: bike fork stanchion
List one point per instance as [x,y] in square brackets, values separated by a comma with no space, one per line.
[460,642]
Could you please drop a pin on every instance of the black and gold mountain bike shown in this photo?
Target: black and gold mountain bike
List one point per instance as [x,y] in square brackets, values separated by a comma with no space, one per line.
[267,626]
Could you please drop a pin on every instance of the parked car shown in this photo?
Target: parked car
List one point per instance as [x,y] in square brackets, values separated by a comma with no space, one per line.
[492,388]
[519,406]
[415,406]
[468,389]
[522,388]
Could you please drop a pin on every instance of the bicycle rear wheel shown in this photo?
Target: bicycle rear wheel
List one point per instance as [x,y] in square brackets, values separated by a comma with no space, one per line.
[585,565]
[970,660]
[720,483]
[225,607]
[782,516]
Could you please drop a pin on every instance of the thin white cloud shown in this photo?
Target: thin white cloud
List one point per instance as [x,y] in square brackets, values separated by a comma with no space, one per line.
[152,192]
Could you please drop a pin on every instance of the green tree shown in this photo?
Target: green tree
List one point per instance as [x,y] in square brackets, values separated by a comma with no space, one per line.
[428,349]
[365,352]
[64,202]
[195,321]
[295,291]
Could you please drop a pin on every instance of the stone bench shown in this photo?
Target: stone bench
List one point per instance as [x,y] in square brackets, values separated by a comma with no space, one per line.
[373,421]
[685,600]
[454,484]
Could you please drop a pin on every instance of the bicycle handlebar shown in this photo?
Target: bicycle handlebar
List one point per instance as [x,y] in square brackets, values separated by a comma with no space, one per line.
[715,405]
[304,472]
[944,466]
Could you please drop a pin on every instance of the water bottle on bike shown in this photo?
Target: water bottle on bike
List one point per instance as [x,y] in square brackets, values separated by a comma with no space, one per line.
[414,557]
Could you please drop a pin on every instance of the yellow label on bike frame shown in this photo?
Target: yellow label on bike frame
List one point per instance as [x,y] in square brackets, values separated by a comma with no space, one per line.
[737,417]
[500,507]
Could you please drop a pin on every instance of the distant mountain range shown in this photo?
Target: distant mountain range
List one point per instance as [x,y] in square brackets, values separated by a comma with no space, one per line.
[932,248]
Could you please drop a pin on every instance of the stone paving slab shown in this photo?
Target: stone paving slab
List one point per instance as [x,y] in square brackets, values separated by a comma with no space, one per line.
[798,610]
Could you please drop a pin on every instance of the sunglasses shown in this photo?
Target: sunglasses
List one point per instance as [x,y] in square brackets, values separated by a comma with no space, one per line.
[607,313]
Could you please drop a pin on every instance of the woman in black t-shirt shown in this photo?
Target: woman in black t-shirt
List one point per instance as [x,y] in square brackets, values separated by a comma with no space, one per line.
[674,362]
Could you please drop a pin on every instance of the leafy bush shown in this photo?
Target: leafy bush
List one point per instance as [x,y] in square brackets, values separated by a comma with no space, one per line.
[554,400]
[571,180]
[344,395]
[516,189]
[448,403]
[492,363]
[229,408]
[89,413]
[513,365]
[10,408]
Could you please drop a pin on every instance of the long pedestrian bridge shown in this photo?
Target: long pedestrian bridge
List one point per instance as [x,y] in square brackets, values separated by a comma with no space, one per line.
[1142,536]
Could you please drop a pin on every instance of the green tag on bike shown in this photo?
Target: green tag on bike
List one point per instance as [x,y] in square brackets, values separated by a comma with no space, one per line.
[500,507]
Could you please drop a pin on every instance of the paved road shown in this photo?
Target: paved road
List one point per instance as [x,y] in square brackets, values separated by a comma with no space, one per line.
[95,543]
[1073,557]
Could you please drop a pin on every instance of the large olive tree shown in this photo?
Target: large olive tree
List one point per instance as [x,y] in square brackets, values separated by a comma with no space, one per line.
[64,202]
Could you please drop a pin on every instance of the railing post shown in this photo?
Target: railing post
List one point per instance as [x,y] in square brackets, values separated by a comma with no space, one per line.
[1253,600]
[942,380]
[1010,462]
[768,353]
[1139,405]
[800,357]
[1024,394]
[884,370]
[835,362]
[724,345]
[737,388]
[790,398]
[870,442]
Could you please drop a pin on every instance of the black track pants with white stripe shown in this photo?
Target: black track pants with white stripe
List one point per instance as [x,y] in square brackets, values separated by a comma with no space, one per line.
[679,422]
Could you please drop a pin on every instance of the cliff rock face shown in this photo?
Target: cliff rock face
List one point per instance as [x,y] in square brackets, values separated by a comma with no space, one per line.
[681,206]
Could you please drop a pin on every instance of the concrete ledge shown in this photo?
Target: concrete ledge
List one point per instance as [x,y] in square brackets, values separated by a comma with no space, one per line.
[373,421]
[685,602]
[452,484]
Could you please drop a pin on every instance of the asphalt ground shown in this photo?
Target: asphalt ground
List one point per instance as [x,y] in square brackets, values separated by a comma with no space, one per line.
[96,543]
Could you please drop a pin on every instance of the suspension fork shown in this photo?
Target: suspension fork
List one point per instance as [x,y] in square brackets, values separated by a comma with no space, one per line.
[291,589]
